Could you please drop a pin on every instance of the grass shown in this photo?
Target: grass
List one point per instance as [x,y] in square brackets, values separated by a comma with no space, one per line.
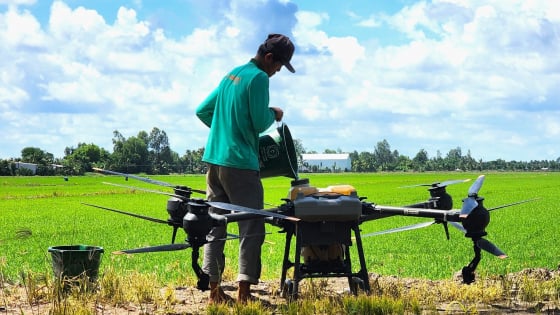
[134,291]
[51,210]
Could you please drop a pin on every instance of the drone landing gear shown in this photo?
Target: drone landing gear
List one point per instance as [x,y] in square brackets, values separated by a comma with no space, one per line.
[468,270]
[322,234]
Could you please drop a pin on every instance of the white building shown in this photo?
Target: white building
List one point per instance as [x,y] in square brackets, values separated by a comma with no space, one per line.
[30,166]
[327,161]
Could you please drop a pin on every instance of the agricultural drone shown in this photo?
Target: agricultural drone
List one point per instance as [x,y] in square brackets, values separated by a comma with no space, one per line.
[321,221]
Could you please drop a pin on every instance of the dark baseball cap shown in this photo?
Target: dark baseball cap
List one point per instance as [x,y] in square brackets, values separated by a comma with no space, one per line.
[282,48]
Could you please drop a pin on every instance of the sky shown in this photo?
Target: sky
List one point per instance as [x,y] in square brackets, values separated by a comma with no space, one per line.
[479,75]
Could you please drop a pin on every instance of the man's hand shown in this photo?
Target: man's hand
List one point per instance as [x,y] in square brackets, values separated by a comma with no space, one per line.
[279,113]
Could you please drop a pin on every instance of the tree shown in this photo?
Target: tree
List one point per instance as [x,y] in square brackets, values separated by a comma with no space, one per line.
[81,159]
[36,156]
[298,146]
[384,158]
[43,159]
[453,160]
[404,163]
[420,161]
[332,151]
[193,161]
[366,162]
[7,168]
[468,162]
[129,155]
[160,154]
[354,156]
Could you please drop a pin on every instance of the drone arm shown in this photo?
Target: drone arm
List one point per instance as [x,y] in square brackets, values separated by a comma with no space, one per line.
[128,213]
[369,213]
[430,204]
[241,216]
[442,215]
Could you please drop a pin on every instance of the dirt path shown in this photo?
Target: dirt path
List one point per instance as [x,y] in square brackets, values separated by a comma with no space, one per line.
[187,300]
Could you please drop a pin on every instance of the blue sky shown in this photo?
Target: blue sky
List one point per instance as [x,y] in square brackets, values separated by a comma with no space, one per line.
[483,76]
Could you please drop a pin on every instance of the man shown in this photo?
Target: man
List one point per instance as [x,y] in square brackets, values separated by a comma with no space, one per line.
[237,112]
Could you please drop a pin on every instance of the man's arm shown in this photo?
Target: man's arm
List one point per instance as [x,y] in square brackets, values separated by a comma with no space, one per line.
[205,111]
[262,116]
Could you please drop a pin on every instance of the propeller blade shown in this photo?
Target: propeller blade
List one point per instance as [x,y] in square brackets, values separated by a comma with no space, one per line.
[267,213]
[174,247]
[401,229]
[451,182]
[513,204]
[147,190]
[470,202]
[147,180]
[438,184]
[475,187]
[153,249]
[128,213]
[459,227]
[144,179]
[491,248]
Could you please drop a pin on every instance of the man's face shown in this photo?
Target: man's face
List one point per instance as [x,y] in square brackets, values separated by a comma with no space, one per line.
[270,65]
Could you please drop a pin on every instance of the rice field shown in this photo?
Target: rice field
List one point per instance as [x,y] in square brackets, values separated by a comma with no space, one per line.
[39,212]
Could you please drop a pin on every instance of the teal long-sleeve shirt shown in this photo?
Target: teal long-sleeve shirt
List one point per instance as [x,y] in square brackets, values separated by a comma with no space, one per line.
[237,112]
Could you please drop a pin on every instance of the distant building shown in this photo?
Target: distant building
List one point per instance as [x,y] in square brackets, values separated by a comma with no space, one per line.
[30,166]
[326,162]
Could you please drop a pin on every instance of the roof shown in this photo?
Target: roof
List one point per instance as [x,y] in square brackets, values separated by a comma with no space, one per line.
[325,156]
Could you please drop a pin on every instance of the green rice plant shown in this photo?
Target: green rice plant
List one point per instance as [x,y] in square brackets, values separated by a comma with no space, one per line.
[52,209]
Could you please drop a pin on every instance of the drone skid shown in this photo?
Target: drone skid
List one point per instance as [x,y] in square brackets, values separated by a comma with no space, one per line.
[324,248]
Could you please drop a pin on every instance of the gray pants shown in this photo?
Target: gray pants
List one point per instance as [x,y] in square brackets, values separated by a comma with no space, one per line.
[243,188]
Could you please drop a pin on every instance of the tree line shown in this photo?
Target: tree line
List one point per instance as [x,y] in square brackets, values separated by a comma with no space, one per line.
[150,153]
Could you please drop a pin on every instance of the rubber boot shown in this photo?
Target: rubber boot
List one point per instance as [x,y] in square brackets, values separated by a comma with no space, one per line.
[217,294]
[244,292]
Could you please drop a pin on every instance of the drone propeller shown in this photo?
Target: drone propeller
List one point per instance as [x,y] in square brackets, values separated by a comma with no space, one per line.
[470,202]
[147,190]
[438,184]
[512,204]
[175,247]
[458,227]
[401,229]
[153,249]
[491,248]
[419,226]
[267,213]
[128,213]
[148,180]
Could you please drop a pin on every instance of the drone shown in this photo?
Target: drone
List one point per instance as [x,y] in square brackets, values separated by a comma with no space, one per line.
[321,220]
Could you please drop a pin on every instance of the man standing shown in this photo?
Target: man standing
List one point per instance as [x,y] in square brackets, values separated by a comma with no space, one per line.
[237,112]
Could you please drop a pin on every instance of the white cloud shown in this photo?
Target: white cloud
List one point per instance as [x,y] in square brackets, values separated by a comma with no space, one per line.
[17,2]
[482,75]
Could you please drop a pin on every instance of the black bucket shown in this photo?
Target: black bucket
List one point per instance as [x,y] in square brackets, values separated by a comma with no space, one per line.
[277,154]
[74,261]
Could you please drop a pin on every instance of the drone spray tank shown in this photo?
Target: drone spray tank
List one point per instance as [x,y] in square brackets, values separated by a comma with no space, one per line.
[302,187]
